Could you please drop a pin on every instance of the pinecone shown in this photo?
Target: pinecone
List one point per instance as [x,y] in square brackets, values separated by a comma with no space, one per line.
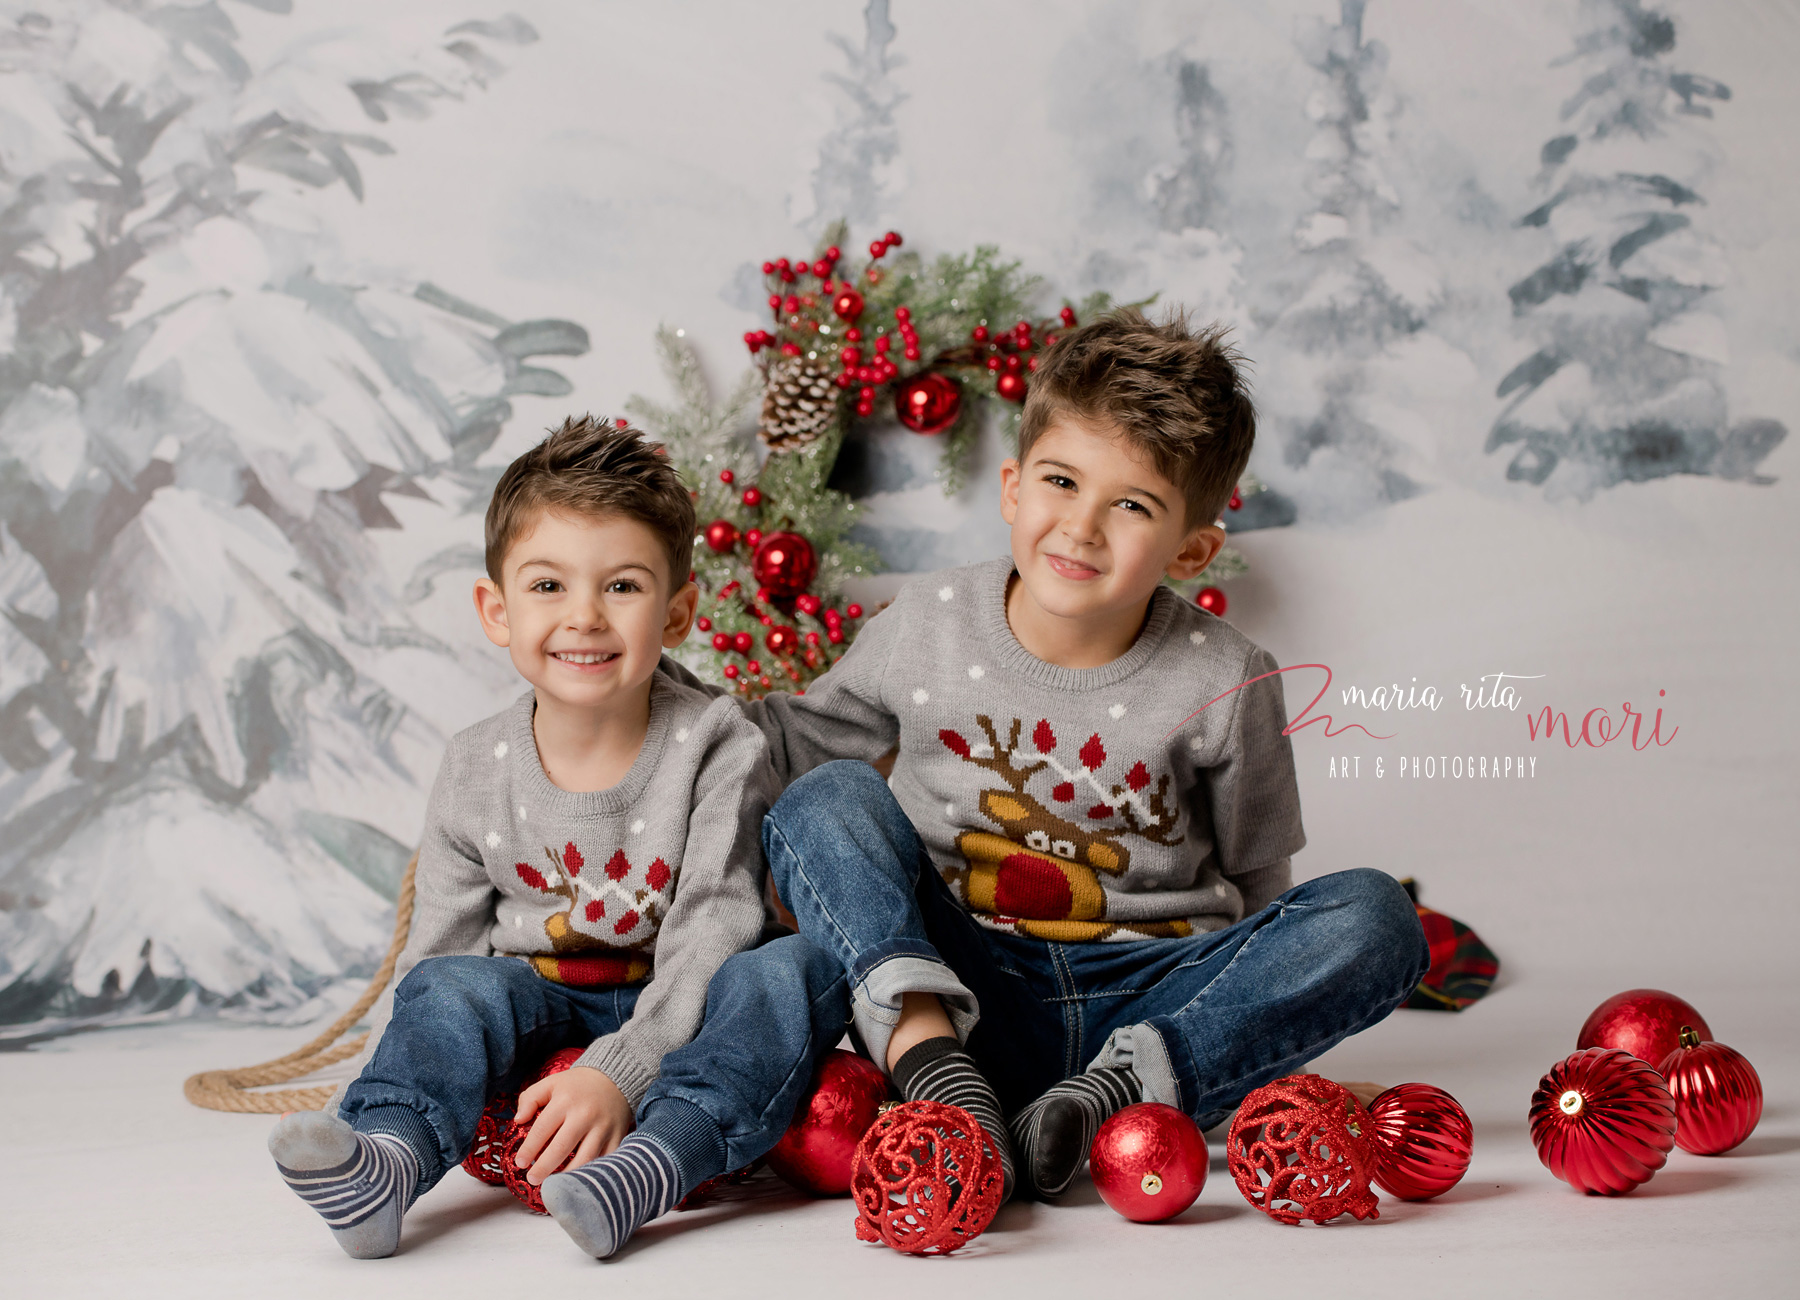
[799,404]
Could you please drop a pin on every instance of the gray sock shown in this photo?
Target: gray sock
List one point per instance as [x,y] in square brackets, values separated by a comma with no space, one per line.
[606,1200]
[360,1183]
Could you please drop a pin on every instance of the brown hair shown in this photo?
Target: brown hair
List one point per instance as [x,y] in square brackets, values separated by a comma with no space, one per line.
[593,467]
[1177,394]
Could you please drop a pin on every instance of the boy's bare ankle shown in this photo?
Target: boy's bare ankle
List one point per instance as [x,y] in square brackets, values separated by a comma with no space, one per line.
[922,1016]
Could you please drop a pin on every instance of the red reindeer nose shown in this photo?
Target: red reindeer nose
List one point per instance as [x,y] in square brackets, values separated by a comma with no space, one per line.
[1031,887]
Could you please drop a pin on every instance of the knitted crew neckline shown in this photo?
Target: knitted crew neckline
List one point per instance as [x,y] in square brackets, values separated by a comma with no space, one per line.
[991,583]
[591,803]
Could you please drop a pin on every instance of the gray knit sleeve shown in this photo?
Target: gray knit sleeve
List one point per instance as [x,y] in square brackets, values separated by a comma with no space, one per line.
[453,899]
[842,714]
[718,905]
[1251,790]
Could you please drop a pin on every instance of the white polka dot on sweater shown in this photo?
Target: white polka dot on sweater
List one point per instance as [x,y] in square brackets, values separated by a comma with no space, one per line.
[977,671]
[521,812]
[949,810]
[637,827]
[493,839]
[1117,711]
[945,593]
[518,923]
[921,695]
[681,736]
[500,750]
[1197,637]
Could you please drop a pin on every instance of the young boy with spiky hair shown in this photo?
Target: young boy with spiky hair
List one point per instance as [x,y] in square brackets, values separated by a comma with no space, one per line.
[590,863]
[1075,892]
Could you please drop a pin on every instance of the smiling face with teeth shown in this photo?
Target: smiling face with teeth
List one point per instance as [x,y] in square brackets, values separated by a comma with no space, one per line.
[585,608]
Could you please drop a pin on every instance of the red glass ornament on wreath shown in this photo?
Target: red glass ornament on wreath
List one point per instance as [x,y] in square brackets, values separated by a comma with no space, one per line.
[721,535]
[1423,1140]
[1602,1121]
[1718,1094]
[818,1152]
[498,1139]
[1645,1022]
[1148,1162]
[1212,600]
[785,563]
[1300,1148]
[905,1167]
[928,403]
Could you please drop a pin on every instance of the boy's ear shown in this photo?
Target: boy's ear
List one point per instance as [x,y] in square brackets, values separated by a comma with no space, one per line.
[490,607]
[682,607]
[1199,549]
[1009,488]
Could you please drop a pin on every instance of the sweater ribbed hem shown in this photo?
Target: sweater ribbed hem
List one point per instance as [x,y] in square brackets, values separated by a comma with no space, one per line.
[617,1062]
[991,582]
[689,1135]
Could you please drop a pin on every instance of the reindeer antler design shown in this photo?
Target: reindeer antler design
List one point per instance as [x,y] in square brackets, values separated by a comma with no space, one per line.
[1001,763]
[1158,830]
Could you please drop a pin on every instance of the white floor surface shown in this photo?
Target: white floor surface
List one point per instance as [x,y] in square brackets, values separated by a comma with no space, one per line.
[113,1185]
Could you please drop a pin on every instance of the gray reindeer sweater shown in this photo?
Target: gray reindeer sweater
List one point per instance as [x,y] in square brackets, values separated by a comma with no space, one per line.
[1066,804]
[658,878]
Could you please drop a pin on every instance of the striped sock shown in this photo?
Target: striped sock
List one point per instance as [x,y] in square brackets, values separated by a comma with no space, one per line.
[606,1200]
[360,1183]
[939,1070]
[1054,1132]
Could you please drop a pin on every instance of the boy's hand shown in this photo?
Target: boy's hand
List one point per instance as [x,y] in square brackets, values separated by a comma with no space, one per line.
[579,1110]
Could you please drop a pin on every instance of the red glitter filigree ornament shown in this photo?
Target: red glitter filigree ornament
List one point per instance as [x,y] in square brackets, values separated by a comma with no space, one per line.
[498,1139]
[1299,1148]
[1422,1141]
[1602,1121]
[1645,1022]
[785,563]
[818,1151]
[1148,1162]
[1718,1094]
[927,1179]
[928,403]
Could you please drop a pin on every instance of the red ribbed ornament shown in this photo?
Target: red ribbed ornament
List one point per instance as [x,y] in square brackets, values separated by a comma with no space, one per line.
[508,1148]
[1602,1121]
[1422,1140]
[785,563]
[1645,1022]
[1718,1094]
[1148,1162]
[818,1151]
[1300,1148]
[905,1167]
[928,403]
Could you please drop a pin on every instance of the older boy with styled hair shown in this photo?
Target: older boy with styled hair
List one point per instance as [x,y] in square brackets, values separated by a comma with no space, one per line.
[589,862]
[1077,892]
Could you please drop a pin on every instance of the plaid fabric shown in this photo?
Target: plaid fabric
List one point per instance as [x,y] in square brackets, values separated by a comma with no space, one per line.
[1462,966]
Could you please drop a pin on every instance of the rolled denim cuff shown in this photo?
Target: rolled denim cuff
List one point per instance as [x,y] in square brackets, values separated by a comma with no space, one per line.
[1140,1049]
[876,991]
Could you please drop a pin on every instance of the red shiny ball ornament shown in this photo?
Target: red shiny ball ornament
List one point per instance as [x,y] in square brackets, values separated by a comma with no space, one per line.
[1148,1162]
[926,1179]
[785,563]
[1602,1121]
[848,305]
[721,642]
[1212,600]
[1300,1148]
[1645,1022]
[1011,386]
[928,403]
[509,1149]
[818,1151]
[741,642]
[721,535]
[1422,1139]
[752,496]
[1718,1094]
[782,640]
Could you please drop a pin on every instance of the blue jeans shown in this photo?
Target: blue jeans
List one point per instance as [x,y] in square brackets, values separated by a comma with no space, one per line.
[1200,1020]
[466,1029]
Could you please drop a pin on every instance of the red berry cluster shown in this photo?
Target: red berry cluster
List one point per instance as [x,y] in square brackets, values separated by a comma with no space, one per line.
[1012,354]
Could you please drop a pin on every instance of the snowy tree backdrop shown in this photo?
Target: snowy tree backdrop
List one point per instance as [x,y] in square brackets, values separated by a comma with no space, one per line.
[285,283]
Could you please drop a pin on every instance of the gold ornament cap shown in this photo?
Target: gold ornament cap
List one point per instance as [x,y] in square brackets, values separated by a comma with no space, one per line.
[1689,1038]
[1571,1102]
[1152,1184]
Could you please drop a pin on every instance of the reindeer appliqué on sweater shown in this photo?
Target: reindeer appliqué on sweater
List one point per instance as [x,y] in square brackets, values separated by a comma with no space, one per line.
[1042,877]
[584,958]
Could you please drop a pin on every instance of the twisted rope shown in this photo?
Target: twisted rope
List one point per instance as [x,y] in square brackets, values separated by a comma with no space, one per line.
[230,1089]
